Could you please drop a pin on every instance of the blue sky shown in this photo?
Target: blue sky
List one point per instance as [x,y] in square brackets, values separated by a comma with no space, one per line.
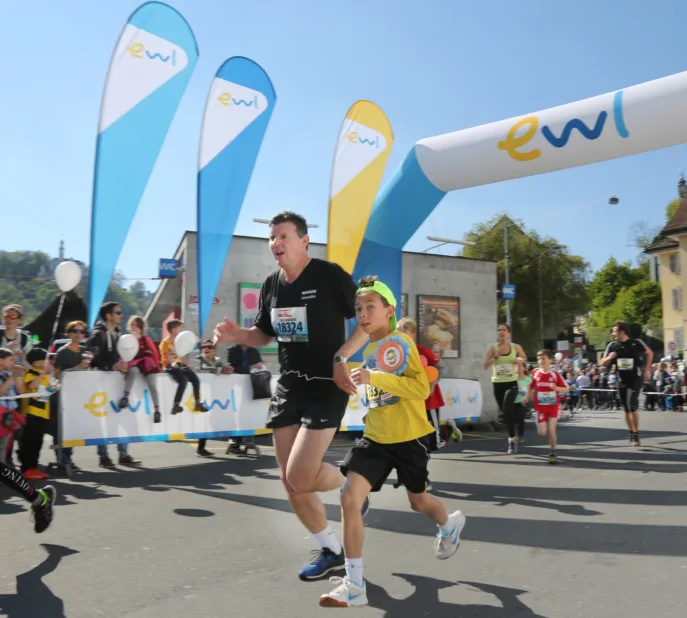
[434,67]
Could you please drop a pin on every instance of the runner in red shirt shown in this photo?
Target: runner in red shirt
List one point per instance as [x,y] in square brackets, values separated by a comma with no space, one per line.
[544,388]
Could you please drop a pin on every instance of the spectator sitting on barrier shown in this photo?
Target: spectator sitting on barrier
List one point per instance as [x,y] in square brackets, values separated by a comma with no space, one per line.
[11,419]
[146,363]
[37,412]
[69,357]
[103,344]
[178,369]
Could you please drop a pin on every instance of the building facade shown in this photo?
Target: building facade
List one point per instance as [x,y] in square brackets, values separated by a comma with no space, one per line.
[668,254]
[429,281]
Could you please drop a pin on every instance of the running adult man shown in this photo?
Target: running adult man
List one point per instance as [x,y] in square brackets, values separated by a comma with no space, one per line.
[503,357]
[627,355]
[304,305]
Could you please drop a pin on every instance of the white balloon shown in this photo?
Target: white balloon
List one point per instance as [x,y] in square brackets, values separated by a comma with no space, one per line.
[67,276]
[184,343]
[559,357]
[127,346]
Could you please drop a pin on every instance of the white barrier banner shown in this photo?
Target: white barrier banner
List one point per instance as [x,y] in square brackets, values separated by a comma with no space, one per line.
[91,413]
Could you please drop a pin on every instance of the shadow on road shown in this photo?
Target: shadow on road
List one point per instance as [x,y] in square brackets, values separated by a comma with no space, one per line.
[425,600]
[34,598]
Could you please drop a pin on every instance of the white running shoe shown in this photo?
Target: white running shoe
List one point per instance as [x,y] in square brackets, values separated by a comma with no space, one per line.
[346,594]
[448,544]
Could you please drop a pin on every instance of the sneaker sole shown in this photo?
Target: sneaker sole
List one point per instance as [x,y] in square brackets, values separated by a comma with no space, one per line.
[369,506]
[311,578]
[331,602]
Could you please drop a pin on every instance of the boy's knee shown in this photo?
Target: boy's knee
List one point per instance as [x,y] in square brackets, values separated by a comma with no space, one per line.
[542,429]
[300,479]
[350,502]
[417,501]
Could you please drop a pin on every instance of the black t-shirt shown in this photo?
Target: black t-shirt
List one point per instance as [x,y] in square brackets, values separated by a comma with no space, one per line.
[66,359]
[308,319]
[628,360]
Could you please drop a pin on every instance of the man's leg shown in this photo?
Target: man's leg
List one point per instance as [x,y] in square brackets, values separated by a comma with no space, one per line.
[306,504]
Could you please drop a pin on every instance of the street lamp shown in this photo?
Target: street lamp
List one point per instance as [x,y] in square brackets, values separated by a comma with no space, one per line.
[267,222]
[541,296]
[448,241]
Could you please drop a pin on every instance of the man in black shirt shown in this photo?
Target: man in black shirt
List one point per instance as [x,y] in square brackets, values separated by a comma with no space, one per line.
[628,356]
[304,305]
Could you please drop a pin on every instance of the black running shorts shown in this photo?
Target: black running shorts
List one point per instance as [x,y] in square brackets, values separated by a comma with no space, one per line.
[323,410]
[629,395]
[375,461]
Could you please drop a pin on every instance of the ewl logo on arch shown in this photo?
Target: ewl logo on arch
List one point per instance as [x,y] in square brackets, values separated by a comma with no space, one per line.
[514,144]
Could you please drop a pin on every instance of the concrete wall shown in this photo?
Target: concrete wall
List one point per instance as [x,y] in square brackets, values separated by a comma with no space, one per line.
[473,281]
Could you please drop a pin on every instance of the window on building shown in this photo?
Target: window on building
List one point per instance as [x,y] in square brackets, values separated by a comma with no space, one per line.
[678,338]
[675,263]
[677,299]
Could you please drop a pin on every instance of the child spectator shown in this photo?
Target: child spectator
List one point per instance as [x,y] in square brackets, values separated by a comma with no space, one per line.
[178,369]
[11,336]
[37,412]
[11,418]
[146,363]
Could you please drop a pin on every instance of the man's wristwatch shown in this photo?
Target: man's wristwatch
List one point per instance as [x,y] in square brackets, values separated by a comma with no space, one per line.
[340,359]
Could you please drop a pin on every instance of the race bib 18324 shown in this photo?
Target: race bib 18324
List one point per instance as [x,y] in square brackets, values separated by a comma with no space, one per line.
[290,324]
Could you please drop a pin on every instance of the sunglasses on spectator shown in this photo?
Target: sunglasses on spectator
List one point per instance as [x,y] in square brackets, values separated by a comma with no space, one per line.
[77,331]
[118,312]
[207,347]
[11,317]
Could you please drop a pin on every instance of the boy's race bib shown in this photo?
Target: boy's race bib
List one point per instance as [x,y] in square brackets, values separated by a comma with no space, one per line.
[290,324]
[547,398]
[626,364]
[378,399]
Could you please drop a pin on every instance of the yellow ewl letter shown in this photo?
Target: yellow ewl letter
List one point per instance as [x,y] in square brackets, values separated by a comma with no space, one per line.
[97,404]
[136,50]
[511,143]
[224,98]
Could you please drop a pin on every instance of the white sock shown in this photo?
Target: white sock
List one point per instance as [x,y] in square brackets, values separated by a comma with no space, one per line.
[449,526]
[328,540]
[354,571]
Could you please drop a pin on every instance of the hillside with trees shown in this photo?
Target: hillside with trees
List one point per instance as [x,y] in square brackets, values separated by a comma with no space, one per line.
[26,279]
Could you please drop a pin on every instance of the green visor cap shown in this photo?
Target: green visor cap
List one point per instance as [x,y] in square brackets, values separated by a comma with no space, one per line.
[385,292]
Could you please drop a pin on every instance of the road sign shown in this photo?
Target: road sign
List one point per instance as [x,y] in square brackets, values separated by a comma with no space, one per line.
[508,291]
[672,346]
[168,268]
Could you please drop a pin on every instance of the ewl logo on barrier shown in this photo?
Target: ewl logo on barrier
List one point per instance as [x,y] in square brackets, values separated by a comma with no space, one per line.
[514,142]
[138,50]
[355,138]
[100,404]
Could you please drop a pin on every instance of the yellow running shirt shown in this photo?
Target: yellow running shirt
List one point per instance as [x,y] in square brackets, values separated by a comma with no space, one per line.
[397,391]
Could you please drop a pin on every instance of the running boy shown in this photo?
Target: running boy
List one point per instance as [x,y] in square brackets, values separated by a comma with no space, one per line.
[397,436]
[545,386]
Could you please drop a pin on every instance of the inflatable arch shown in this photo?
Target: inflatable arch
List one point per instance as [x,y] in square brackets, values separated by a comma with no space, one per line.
[641,118]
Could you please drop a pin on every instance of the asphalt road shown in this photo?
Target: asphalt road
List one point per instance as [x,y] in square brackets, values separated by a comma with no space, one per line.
[603,534]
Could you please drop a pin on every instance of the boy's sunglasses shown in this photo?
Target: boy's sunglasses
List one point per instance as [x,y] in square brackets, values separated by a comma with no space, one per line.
[11,317]
[207,347]
[77,331]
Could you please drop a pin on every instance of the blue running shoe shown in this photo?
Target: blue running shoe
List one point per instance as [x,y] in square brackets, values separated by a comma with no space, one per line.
[324,562]
[366,505]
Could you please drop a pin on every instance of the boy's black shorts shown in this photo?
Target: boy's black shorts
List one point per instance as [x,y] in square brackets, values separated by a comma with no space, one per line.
[375,461]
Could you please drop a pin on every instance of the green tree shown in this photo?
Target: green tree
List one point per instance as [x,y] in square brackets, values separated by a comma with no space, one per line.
[610,280]
[563,277]
[671,208]
[25,280]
